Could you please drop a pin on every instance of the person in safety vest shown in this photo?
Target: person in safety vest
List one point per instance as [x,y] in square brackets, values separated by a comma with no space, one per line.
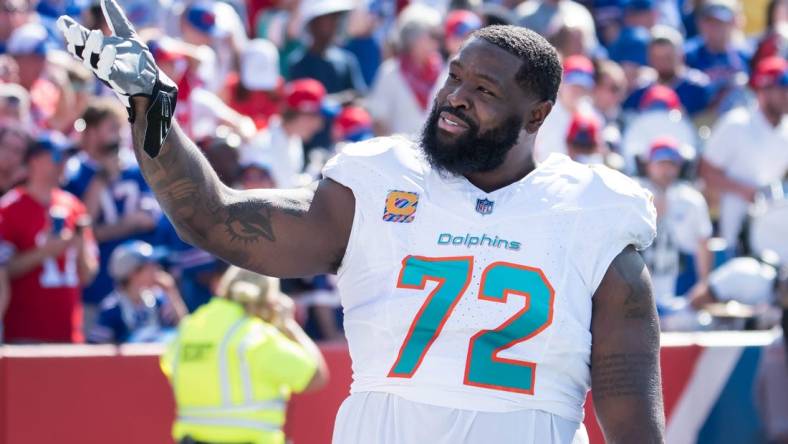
[235,362]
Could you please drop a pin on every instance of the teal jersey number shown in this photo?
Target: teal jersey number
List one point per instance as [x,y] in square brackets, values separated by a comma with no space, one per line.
[483,367]
[453,275]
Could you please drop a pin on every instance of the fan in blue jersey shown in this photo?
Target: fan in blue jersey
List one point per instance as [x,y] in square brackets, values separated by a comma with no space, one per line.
[145,303]
[116,195]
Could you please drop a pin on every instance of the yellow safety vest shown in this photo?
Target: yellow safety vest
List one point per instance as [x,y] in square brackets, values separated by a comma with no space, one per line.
[232,376]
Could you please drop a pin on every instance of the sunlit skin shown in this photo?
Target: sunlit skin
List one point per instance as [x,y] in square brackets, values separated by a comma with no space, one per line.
[482,85]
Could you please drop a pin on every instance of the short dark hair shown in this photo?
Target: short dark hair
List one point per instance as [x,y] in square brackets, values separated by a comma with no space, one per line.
[540,72]
[101,108]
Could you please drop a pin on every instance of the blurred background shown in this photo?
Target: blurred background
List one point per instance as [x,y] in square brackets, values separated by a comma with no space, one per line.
[687,96]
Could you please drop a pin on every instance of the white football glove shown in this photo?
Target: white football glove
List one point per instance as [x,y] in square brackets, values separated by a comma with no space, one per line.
[126,65]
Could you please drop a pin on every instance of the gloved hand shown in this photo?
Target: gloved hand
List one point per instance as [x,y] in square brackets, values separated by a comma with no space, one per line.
[126,65]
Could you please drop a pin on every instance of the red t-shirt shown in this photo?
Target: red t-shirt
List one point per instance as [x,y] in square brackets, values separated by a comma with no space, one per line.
[259,105]
[46,301]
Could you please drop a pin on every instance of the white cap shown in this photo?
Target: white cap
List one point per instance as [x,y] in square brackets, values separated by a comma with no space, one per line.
[745,280]
[28,39]
[260,65]
[316,8]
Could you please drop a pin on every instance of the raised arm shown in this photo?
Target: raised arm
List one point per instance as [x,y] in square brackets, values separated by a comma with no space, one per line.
[625,376]
[279,233]
[274,232]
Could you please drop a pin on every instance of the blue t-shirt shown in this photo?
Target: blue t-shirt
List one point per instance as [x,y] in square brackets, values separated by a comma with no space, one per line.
[337,69]
[128,193]
[720,67]
[121,320]
[692,87]
[187,263]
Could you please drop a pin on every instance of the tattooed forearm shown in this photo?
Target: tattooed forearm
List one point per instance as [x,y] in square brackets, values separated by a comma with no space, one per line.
[204,211]
[624,374]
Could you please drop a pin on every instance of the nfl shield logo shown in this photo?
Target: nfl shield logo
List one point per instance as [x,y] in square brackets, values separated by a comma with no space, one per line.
[484,206]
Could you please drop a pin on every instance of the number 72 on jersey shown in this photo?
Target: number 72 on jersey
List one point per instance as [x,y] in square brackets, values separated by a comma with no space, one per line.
[483,366]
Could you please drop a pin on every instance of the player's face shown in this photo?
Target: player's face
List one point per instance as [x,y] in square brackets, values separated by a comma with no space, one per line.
[479,112]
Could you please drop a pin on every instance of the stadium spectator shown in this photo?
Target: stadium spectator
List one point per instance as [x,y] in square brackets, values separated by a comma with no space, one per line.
[747,148]
[322,59]
[250,327]
[29,45]
[640,14]
[14,105]
[13,14]
[774,39]
[610,87]
[9,71]
[256,174]
[53,251]
[281,144]
[13,144]
[459,24]
[145,302]
[716,51]
[743,279]
[115,195]
[281,25]
[352,124]
[362,42]
[257,90]
[584,139]
[401,95]
[683,224]
[574,95]
[629,51]
[666,56]
[216,25]
[540,15]
[201,110]
[337,69]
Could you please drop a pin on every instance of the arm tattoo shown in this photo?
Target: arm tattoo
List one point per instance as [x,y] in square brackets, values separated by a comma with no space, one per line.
[247,222]
[203,210]
[621,374]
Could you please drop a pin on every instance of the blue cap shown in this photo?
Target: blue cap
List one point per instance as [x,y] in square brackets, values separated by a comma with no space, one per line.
[127,257]
[631,46]
[52,142]
[638,5]
[719,10]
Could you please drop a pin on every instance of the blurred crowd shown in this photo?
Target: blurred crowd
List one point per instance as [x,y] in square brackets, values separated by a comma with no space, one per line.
[688,96]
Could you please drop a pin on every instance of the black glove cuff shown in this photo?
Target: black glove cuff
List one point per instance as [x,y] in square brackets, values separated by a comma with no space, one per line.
[159,115]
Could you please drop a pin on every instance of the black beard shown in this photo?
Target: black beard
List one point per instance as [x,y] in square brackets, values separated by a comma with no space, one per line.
[472,152]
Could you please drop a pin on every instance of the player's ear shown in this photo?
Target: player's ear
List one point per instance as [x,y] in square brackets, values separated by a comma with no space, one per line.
[536,116]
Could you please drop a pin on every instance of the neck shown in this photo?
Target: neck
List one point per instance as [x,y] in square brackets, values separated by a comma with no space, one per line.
[40,190]
[518,163]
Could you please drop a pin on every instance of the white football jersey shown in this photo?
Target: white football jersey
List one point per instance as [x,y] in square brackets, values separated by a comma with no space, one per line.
[458,298]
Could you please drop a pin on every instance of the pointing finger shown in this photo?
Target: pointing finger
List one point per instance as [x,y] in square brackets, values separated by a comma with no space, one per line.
[116,19]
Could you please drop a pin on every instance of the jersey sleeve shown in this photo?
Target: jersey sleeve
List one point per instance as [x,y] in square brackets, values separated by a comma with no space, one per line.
[284,361]
[624,215]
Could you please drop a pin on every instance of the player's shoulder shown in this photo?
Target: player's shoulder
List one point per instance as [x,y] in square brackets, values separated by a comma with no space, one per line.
[384,155]
[594,185]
